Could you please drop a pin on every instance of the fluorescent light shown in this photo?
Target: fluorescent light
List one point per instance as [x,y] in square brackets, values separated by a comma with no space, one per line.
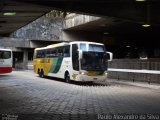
[146,25]
[9,13]
[106,33]
[128,46]
[140,0]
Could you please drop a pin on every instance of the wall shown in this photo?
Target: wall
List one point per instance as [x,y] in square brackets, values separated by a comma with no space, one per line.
[150,64]
[74,20]
[82,36]
[14,42]
[44,28]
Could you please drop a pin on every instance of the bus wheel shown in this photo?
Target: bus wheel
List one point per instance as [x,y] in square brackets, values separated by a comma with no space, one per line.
[67,78]
[41,73]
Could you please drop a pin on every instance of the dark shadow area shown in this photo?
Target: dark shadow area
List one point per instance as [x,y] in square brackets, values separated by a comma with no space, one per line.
[77,82]
[51,116]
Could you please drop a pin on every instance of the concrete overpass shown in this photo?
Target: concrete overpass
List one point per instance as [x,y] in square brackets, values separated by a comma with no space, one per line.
[130,12]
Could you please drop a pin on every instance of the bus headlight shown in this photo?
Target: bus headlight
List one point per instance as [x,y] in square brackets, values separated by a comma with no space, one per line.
[82,73]
[105,73]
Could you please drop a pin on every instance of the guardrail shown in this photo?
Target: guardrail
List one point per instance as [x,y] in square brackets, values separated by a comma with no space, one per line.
[150,76]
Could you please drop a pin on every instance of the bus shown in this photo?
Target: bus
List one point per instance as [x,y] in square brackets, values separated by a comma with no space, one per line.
[5,61]
[77,60]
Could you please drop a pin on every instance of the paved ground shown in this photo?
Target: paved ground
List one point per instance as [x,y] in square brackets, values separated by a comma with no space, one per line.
[24,94]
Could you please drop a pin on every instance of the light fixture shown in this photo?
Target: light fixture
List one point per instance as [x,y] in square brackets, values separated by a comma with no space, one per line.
[146,25]
[128,46]
[9,13]
[105,33]
[140,0]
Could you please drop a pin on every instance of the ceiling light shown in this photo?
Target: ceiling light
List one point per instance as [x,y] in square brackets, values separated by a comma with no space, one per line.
[106,33]
[140,0]
[9,13]
[128,46]
[146,25]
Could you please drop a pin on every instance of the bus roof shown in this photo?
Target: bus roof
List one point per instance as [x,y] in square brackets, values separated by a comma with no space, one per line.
[67,43]
[86,42]
[53,45]
[2,49]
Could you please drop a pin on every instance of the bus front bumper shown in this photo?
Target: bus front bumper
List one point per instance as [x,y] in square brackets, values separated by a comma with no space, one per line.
[5,70]
[86,78]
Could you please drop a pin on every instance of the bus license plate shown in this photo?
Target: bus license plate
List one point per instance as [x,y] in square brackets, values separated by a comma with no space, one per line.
[94,78]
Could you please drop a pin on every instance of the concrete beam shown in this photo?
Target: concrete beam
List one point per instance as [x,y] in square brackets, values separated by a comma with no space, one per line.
[14,42]
[74,20]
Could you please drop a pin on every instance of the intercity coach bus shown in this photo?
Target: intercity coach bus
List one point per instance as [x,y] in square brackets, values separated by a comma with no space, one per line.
[79,61]
[5,61]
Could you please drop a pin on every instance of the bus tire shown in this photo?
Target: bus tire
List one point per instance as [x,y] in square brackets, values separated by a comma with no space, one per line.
[38,72]
[67,77]
[41,73]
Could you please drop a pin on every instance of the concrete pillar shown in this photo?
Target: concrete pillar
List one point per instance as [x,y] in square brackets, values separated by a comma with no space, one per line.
[25,59]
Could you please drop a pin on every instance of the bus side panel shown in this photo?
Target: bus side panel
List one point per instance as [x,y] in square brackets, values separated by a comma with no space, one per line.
[6,66]
[42,64]
[37,64]
[59,67]
[47,63]
[57,63]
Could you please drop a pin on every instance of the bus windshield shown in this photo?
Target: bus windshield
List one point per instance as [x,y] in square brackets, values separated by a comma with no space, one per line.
[5,54]
[93,61]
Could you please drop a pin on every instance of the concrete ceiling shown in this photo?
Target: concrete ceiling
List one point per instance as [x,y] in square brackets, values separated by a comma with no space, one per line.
[127,15]
[25,13]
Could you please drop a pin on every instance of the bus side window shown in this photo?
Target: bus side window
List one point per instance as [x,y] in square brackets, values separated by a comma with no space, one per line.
[66,51]
[38,54]
[43,54]
[51,53]
[75,56]
[1,54]
[54,52]
[60,51]
[48,53]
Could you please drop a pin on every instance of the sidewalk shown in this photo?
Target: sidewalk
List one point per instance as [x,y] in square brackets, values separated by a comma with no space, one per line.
[138,84]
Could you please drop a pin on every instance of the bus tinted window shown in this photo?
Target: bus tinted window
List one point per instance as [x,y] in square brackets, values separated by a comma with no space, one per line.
[66,51]
[54,52]
[83,47]
[60,51]
[96,48]
[48,53]
[5,54]
[40,54]
[75,56]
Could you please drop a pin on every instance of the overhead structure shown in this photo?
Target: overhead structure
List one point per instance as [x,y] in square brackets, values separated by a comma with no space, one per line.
[129,12]
[14,15]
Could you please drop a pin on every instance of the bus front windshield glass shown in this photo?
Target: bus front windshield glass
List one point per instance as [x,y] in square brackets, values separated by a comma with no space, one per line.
[94,59]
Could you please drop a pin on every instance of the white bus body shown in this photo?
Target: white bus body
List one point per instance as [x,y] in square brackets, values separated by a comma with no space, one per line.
[84,61]
[5,61]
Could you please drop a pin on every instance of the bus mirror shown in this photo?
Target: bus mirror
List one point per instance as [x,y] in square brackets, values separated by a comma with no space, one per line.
[109,56]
